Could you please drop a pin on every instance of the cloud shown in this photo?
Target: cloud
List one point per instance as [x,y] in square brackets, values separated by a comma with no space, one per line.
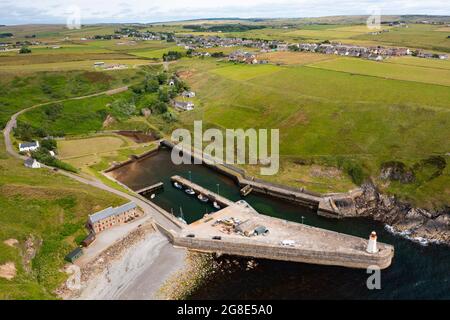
[55,11]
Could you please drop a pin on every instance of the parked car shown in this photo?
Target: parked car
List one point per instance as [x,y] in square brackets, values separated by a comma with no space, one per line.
[217,238]
[190,235]
[289,243]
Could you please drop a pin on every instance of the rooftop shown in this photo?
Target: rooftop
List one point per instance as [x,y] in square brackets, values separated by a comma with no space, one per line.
[108,212]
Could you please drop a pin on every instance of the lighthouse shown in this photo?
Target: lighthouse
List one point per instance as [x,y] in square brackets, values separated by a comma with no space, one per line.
[372,244]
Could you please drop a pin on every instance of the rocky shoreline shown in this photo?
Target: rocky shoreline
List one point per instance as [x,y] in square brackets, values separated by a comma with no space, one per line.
[400,217]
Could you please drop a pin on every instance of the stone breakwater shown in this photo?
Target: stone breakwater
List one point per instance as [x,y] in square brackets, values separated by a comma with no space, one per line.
[400,217]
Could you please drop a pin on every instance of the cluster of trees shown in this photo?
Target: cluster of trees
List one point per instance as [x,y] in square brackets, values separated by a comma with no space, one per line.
[6,35]
[155,94]
[25,49]
[26,132]
[43,156]
[172,55]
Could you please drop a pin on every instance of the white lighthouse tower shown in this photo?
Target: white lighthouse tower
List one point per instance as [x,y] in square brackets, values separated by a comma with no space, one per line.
[372,244]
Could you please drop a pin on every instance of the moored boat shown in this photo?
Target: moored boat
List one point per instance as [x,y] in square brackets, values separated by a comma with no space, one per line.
[177,185]
[202,198]
[189,191]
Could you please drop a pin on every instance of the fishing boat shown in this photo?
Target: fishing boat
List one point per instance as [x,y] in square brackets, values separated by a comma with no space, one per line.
[202,198]
[181,217]
[189,191]
[177,185]
[216,205]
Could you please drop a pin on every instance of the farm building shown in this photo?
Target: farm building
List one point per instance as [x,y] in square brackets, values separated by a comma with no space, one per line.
[28,146]
[74,255]
[32,163]
[109,217]
[187,106]
[188,94]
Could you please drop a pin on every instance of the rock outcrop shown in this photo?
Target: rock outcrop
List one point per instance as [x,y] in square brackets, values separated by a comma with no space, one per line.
[414,223]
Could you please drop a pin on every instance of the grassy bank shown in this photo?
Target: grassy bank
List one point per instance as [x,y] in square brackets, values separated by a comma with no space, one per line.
[46,213]
[353,122]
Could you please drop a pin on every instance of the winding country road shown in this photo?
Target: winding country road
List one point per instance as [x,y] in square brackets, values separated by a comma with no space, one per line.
[148,208]
[148,278]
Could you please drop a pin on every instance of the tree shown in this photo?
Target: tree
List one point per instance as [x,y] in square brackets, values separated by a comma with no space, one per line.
[163,95]
[24,49]
[162,77]
[49,144]
[159,107]
[123,108]
[169,117]
[152,85]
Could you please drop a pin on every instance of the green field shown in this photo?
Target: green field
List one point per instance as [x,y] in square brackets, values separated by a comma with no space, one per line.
[52,210]
[415,36]
[80,116]
[394,70]
[22,91]
[156,53]
[245,72]
[329,116]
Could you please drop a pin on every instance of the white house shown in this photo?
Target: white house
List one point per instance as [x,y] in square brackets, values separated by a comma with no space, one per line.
[32,163]
[187,106]
[28,146]
[188,94]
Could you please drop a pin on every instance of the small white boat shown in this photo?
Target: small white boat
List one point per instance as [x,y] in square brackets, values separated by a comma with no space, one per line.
[153,196]
[177,185]
[189,191]
[182,220]
[216,205]
[202,198]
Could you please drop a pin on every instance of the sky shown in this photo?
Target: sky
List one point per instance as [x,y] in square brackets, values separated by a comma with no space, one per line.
[144,11]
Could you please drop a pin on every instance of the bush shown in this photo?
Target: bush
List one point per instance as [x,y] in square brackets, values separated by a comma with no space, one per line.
[159,107]
[42,155]
[24,50]
[169,117]
[49,144]
[172,55]
[123,108]
[152,85]
[353,169]
[163,95]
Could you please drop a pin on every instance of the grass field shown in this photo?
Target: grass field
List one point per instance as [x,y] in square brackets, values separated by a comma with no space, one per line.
[156,53]
[244,72]
[77,117]
[415,36]
[293,58]
[99,151]
[21,91]
[50,211]
[392,70]
[427,63]
[328,116]
[68,66]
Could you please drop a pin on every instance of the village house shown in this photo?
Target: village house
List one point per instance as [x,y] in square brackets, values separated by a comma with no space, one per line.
[32,163]
[109,217]
[188,94]
[29,146]
[187,106]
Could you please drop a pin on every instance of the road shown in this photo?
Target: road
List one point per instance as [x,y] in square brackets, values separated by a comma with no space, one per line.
[167,256]
[146,206]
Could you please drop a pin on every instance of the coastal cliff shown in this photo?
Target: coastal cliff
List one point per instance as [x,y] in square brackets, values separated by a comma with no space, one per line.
[400,217]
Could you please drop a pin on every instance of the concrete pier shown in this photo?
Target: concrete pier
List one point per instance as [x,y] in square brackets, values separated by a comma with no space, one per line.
[240,230]
[221,201]
[150,189]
